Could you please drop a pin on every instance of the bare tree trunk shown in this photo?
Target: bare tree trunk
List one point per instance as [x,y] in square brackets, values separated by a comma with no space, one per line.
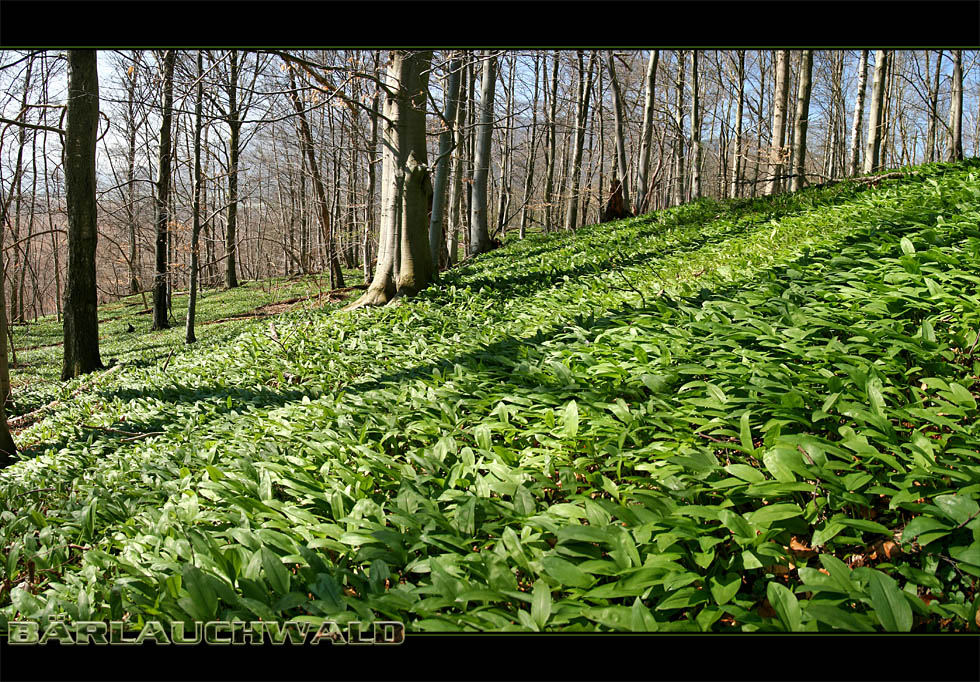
[695,129]
[134,281]
[529,169]
[189,336]
[404,262]
[323,206]
[81,321]
[479,231]
[854,160]
[875,118]
[955,152]
[620,117]
[551,149]
[161,292]
[644,190]
[737,154]
[456,204]
[777,153]
[372,184]
[581,116]
[234,144]
[802,114]
[679,121]
[8,450]
[443,161]
[933,107]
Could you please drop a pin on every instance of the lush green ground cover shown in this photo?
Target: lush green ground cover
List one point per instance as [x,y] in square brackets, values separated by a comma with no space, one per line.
[221,316]
[749,416]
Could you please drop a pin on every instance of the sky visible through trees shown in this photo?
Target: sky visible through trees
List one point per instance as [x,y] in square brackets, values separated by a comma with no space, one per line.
[277,207]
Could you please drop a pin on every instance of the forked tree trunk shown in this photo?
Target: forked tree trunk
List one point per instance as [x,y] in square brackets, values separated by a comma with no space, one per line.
[81,320]
[875,115]
[442,164]
[581,115]
[620,118]
[802,113]
[479,228]
[737,153]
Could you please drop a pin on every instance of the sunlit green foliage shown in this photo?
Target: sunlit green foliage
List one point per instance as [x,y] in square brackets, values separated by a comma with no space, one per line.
[756,415]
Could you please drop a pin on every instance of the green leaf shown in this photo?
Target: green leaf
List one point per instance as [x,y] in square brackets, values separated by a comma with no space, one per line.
[961,396]
[203,599]
[745,431]
[786,605]
[570,420]
[565,572]
[275,571]
[907,246]
[957,507]
[540,603]
[890,605]
[724,588]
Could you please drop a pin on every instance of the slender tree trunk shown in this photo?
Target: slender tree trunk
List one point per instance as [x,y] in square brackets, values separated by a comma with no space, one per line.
[529,166]
[854,160]
[737,154]
[161,297]
[875,118]
[620,118]
[679,121]
[581,116]
[234,143]
[372,184]
[479,231]
[189,336]
[323,205]
[456,204]
[695,129]
[81,320]
[777,153]
[955,152]
[551,149]
[802,114]
[644,189]
[933,107]
[442,163]
[8,450]
[134,281]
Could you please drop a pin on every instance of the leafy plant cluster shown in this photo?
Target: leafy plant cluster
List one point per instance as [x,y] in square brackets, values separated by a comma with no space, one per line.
[756,415]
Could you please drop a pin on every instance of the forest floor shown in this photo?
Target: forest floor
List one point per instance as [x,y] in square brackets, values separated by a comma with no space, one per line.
[752,415]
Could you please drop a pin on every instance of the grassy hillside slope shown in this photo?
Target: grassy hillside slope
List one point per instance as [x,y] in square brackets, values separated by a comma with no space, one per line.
[756,415]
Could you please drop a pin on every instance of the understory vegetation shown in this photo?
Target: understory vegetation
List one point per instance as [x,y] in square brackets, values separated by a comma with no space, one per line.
[751,415]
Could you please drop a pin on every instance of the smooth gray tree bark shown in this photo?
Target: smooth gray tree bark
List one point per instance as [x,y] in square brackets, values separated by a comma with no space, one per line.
[854,159]
[620,119]
[802,115]
[955,152]
[189,336]
[644,191]
[444,160]
[581,116]
[875,114]
[479,219]
[777,151]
